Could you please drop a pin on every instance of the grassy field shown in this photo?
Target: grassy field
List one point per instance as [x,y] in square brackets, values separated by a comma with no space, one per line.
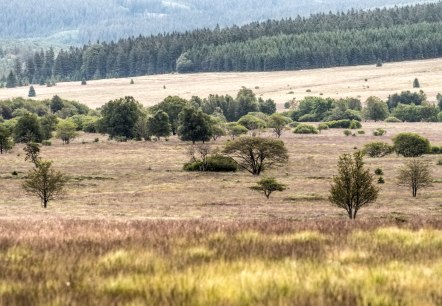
[280,86]
[220,263]
[134,229]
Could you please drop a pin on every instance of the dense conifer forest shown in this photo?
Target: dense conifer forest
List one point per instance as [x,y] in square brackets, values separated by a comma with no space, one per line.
[322,40]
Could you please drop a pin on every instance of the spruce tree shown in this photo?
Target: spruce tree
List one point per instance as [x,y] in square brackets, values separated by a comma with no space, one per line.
[31,92]
[11,80]
[416,83]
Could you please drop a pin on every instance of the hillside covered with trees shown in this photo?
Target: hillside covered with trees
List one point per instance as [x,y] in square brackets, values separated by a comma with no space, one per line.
[322,40]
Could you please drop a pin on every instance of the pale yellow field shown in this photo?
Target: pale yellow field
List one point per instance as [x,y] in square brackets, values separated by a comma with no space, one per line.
[333,82]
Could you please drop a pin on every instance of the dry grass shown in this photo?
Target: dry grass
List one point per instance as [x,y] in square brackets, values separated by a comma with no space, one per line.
[333,82]
[144,180]
[220,263]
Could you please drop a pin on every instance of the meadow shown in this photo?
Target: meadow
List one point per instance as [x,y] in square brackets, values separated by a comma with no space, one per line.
[133,228]
[355,81]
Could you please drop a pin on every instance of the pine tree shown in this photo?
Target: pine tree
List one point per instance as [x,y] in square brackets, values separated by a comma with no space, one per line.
[31,92]
[11,80]
[416,83]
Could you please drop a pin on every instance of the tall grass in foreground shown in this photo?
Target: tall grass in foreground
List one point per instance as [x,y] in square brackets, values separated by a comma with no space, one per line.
[220,263]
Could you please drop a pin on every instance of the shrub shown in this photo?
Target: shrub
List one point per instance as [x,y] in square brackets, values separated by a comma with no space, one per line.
[361,132]
[268,186]
[377,149]
[46,143]
[381,180]
[323,126]
[347,132]
[294,124]
[14,173]
[216,163]
[392,119]
[344,124]
[411,145]
[379,132]
[436,150]
[305,129]
[96,140]
[378,171]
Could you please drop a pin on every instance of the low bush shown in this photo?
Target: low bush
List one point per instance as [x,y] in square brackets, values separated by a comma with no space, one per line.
[46,143]
[216,163]
[361,132]
[392,119]
[436,150]
[344,124]
[377,149]
[379,132]
[378,171]
[411,145]
[347,132]
[381,180]
[305,129]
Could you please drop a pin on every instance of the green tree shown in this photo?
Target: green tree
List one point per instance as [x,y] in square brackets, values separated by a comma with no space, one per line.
[267,106]
[252,123]
[158,125]
[44,182]
[415,174]
[194,125]
[32,151]
[411,145]
[120,116]
[31,92]
[375,109]
[56,104]
[66,131]
[416,83]
[11,80]
[268,186]
[28,129]
[5,139]
[234,130]
[278,123]
[256,154]
[172,105]
[48,124]
[353,187]
[247,103]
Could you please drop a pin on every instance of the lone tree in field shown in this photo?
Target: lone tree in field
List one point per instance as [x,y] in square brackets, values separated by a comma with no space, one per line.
[354,186]
[256,154]
[416,83]
[415,174]
[268,185]
[278,123]
[31,92]
[44,182]
[32,151]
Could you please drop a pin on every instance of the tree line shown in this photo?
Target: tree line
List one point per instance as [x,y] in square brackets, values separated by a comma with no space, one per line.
[322,40]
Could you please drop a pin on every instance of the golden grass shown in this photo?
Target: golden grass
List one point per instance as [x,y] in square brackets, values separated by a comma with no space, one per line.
[331,82]
[220,263]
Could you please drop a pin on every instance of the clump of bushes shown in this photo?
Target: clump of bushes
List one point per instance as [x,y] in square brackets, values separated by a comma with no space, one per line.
[392,119]
[216,163]
[344,124]
[347,132]
[411,145]
[436,150]
[377,149]
[305,129]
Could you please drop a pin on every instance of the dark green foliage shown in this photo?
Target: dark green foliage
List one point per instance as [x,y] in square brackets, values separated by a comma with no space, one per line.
[313,109]
[31,92]
[56,104]
[83,82]
[132,81]
[246,101]
[411,145]
[377,149]
[28,129]
[305,129]
[158,125]
[11,80]
[194,125]
[353,186]
[256,154]
[344,124]
[439,101]
[5,139]
[436,150]
[381,180]
[268,186]
[48,124]
[378,171]
[416,113]
[375,109]
[216,163]
[173,107]
[120,116]
[416,83]
[267,106]
[406,97]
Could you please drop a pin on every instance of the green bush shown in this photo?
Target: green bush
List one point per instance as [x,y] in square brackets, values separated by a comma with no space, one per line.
[344,124]
[216,163]
[361,132]
[378,171]
[411,145]
[381,180]
[392,119]
[377,149]
[379,132]
[294,124]
[305,129]
[347,132]
[436,150]
[46,143]
[323,126]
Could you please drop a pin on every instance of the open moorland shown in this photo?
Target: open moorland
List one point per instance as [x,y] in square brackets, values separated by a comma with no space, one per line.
[357,81]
